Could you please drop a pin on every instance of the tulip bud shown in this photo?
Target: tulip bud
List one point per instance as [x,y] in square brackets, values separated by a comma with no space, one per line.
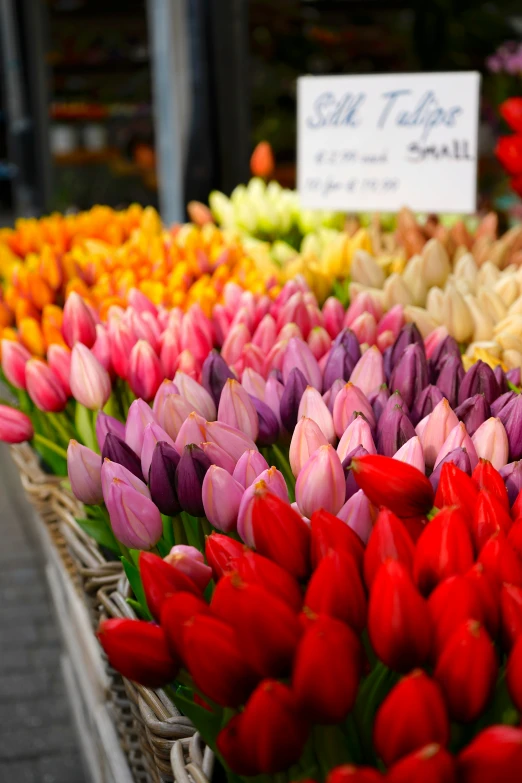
[169,352]
[455,488]
[491,442]
[454,601]
[389,540]
[116,450]
[190,561]
[237,409]
[412,715]
[162,477]
[144,370]
[102,347]
[358,513]
[140,414]
[357,434]
[166,388]
[221,553]
[409,335]
[321,482]
[162,579]
[78,324]
[280,533]
[265,335]
[444,549]
[510,614]
[514,376]
[439,424]
[231,440]
[364,328]
[449,379]
[249,466]
[501,402]
[214,374]
[135,520]
[479,379]
[332,648]
[458,457]
[500,560]
[221,497]
[511,418]
[494,754]
[197,396]
[152,435]
[456,315]
[511,474]
[14,359]
[90,382]
[489,515]
[473,412]
[411,453]
[333,315]
[294,389]
[458,438]
[190,473]
[112,470]
[15,426]
[138,650]
[378,400]
[336,589]
[298,354]
[349,400]
[306,439]
[177,611]
[396,485]
[312,406]
[84,470]
[394,430]
[368,373]
[466,671]
[44,387]
[424,403]
[267,421]
[431,764]
[399,625]
[410,375]
[256,569]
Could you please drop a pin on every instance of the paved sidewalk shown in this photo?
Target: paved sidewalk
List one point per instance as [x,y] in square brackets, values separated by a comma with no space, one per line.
[37,737]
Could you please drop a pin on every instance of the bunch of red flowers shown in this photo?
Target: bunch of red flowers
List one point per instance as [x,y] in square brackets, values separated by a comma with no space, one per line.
[509,148]
[319,657]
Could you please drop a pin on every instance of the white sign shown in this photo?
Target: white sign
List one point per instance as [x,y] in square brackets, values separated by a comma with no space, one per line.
[368,143]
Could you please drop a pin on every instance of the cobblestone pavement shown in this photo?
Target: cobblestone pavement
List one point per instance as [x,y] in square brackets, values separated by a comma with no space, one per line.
[37,737]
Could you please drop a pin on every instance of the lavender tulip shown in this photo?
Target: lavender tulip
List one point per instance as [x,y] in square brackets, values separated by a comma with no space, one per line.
[166,387]
[512,475]
[410,375]
[291,397]
[395,400]
[473,412]
[378,400]
[511,418]
[214,374]
[249,466]
[459,457]
[106,424]
[298,354]
[479,379]
[448,347]
[162,478]
[312,406]
[424,403]
[393,432]
[330,395]
[351,485]
[450,378]
[233,441]
[344,355]
[190,473]
[135,520]
[500,375]
[267,421]
[409,335]
[357,433]
[221,495]
[218,456]
[118,451]
[357,513]
[350,400]
[501,402]
[84,469]
[140,414]
[513,376]
[111,470]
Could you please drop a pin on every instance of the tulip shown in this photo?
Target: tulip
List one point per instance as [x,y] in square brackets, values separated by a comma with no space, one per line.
[274,390]
[116,450]
[165,389]
[412,715]
[458,457]
[455,314]
[395,429]
[15,426]
[410,375]
[121,340]
[514,376]
[306,439]
[444,549]
[431,764]
[102,347]
[138,650]
[396,485]
[395,400]
[256,569]
[319,342]
[333,315]
[389,540]
[280,533]
[84,470]
[494,754]
[144,370]
[253,383]
[439,424]
[335,589]
[140,302]
[90,382]
[265,334]
[237,409]
[221,497]
[358,433]
[135,520]
[190,561]
[453,602]
[411,453]
[78,324]
[44,387]
[473,412]
[458,438]
[425,402]
[358,514]
[511,418]
[321,482]
[409,335]
[479,379]
[500,560]
[392,322]
[173,413]
[214,374]
[312,406]
[111,470]
[221,553]
[190,473]
[329,646]
[298,354]
[365,328]
[197,396]
[177,611]
[152,435]
[491,442]
[362,304]
[59,360]
[231,440]
[347,773]
[501,402]
[162,478]
[489,515]
[14,359]
[161,579]
[455,488]
[268,736]
[331,395]
[349,400]
[169,352]
[267,422]
[511,474]
[140,414]
[249,466]
[271,480]
[368,373]
[294,389]
[510,614]
[378,400]
[450,378]
[340,363]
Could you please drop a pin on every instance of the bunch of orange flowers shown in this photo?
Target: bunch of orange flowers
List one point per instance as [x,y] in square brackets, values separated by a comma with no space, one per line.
[102,254]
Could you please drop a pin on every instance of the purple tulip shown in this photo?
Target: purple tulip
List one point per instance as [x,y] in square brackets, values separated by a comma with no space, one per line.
[511,418]
[378,400]
[394,400]
[276,373]
[214,374]
[153,435]
[410,374]
[291,397]
[449,379]
[162,478]
[106,424]
[330,395]
[448,347]
[424,403]
[513,376]
[512,475]
[501,402]
[350,343]
[393,431]
[135,519]
[459,457]
[500,375]
[387,362]
[409,335]
[479,379]
[344,355]
[473,412]
[190,473]
[118,451]
[351,485]
[268,424]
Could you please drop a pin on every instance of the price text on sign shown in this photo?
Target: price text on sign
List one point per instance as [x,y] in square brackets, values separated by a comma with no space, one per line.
[370,143]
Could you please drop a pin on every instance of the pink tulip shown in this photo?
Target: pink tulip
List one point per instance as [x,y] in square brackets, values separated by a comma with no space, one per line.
[84,470]
[232,440]
[106,424]
[140,414]
[265,335]
[140,302]
[144,328]
[333,316]
[273,481]
[365,329]
[491,442]
[235,341]
[321,482]
[190,561]
[44,386]
[434,339]
[59,360]
[306,439]
[102,347]
[121,341]
[357,513]
[368,373]
[237,409]
[195,335]
[193,430]
[458,438]
[169,352]
[315,316]
[411,453]
[90,382]
[244,316]
[78,325]
[299,355]
[187,363]
[331,394]
[274,358]
[172,414]
[221,323]
[392,321]
[385,340]
[135,520]
[14,359]
[15,426]
[252,357]
[349,400]
[294,311]
[152,435]
[166,387]
[364,303]
[249,466]
[221,495]
[319,341]
[273,392]
[357,433]
[435,430]
[253,383]
[312,406]
[196,395]
[218,456]
[144,374]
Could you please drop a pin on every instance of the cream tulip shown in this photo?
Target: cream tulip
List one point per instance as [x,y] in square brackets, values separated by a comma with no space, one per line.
[434,302]
[512,359]
[366,270]
[466,269]
[424,321]
[492,303]
[508,289]
[413,276]
[436,265]
[456,315]
[488,275]
[482,321]
[396,292]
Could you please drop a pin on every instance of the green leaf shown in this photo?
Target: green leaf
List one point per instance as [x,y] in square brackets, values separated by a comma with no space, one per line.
[207,723]
[193,530]
[99,530]
[137,608]
[331,747]
[168,532]
[83,420]
[133,575]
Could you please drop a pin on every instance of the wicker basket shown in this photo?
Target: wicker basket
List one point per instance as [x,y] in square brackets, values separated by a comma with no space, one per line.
[192,761]
[149,724]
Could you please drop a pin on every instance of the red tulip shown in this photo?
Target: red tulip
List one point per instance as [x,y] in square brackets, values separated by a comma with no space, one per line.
[231,746]
[281,534]
[78,324]
[430,764]
[493,756]
[217,662]
[515,536]
[330,532]
[467,670]
[44,387]
[268,628]
[411,716]
[259,570]
[455,488]
[331,648]
[336,589]
[514,674]
[176,611]
[489,515]
[516,509]
[272,731]
[511,111]
[414,526]
[444,549]
[500,560]
[510,614]
[221,552]
[453,601]
[486,477]
[15,426]
[488,594]
[139,651]
[394,484]
[161,580]
[509,153]
[144,370]
[350,774]
[388,539]
[399,623]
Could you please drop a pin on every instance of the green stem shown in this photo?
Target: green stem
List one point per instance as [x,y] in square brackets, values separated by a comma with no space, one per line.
[37,438]
[285,469]
[180,537]
[64,432]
